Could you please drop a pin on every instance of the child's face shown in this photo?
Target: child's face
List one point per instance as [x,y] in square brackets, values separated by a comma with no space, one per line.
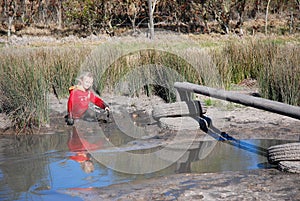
[87,166]
[87,82]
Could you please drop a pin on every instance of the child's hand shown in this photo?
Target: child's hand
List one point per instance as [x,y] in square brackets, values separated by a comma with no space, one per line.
[70,121]
[107,109]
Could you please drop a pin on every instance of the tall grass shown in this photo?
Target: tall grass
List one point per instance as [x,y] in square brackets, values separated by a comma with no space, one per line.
[151,67]
[239,60]
[274,65]
[24,91]
[280,77]
[29,75]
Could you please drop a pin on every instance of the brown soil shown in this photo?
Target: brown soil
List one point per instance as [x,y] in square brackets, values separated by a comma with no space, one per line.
[251,123]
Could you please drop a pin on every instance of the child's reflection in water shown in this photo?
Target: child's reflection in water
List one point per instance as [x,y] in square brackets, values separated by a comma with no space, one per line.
[80,146]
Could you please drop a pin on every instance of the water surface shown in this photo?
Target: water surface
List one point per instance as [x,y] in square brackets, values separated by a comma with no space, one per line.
[40,167]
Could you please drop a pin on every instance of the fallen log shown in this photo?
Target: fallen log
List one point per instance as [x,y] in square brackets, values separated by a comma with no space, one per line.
[185,89]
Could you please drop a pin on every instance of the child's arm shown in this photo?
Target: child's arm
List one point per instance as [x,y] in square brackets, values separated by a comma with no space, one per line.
[98,101]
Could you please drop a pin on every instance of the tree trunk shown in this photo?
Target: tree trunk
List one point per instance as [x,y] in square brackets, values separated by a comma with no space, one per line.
[151,5]
[132,20]
[59,14]
[11,13]
[267,11]
[291,24]
[10,21]
[240,23]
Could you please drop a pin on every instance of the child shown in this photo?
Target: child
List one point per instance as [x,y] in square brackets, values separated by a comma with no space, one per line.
[80,98]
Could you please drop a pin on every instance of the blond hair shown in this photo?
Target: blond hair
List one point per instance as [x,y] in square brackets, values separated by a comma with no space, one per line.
[87,166]
[84,74]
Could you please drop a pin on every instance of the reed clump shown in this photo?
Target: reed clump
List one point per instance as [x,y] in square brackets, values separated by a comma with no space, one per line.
[279,79]
[24,93]
[150,67]
[28,75]
[274,65]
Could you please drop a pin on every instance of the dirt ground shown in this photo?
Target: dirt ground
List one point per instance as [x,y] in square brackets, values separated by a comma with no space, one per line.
[266,185]
[250,123]
[238,121]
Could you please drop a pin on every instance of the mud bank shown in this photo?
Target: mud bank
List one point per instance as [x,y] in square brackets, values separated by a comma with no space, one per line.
[244,185]
[250,123]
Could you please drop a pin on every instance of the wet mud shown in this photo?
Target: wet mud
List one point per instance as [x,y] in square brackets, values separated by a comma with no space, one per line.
[268,184]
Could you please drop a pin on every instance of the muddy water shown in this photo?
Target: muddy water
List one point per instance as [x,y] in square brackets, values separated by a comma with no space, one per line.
[41,168]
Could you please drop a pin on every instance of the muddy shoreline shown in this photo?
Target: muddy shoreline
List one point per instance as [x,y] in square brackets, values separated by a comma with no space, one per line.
[269,184]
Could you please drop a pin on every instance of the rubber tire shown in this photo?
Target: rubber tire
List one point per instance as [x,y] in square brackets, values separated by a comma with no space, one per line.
[177,109]
[289,166]
[179,123]
[284,152]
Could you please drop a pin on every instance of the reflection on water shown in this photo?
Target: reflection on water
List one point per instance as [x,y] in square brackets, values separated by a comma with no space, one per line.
[39,167]
[235,155]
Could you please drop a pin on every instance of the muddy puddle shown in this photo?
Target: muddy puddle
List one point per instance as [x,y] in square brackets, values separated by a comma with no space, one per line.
[43,167]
